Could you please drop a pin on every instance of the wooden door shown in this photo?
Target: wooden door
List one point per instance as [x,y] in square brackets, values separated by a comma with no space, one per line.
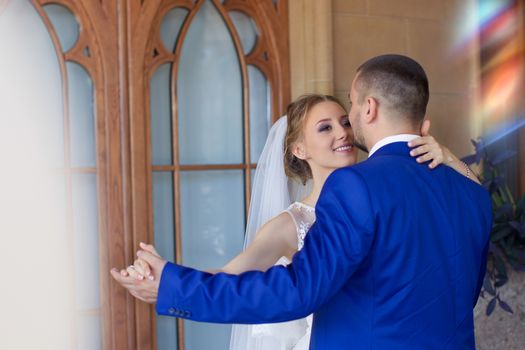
[142,109]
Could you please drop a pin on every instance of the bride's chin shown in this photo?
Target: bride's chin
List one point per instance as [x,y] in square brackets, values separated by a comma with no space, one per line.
[350,157]
[338,165]
[350,161]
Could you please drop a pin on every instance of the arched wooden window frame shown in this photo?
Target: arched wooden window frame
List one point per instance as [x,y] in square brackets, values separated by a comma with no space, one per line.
[92,49]
[120,36]
[270,56]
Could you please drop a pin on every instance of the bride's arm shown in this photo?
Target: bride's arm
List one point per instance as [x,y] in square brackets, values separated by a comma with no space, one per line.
[426,149]
[275,239]
[461,167]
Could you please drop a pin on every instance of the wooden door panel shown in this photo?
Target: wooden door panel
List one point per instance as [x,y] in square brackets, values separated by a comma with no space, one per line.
[120,47]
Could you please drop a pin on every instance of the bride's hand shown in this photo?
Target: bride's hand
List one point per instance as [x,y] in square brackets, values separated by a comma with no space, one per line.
[426,148]
[140,268]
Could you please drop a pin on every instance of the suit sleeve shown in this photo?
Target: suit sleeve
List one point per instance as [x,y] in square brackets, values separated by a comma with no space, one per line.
[334,248]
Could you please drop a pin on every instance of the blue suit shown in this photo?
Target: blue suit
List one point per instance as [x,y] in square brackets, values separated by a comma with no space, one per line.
[395,260]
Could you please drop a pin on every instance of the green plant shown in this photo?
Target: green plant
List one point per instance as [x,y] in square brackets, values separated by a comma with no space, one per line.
[507,240]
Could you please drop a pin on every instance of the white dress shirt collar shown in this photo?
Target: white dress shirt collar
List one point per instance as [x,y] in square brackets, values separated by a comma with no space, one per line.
[391,139]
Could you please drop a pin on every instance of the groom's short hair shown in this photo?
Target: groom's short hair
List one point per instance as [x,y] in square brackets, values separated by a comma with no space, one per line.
[401,82]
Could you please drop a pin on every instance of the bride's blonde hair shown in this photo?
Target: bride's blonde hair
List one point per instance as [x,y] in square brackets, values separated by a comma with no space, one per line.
[296,113]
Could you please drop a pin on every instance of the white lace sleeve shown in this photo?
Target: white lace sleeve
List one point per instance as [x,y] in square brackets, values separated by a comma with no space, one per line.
[303,217]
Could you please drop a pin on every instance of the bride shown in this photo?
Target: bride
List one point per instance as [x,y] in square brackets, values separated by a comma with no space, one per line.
[314,139]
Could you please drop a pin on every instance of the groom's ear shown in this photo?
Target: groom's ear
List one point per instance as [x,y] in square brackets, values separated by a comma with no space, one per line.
[425,127]
[371,113]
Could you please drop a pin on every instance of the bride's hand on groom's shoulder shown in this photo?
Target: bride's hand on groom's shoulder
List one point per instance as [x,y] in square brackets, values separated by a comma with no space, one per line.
[427,149]
[142,279]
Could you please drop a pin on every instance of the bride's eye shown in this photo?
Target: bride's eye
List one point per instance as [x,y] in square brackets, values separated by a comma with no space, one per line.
[346,123]
[325,127]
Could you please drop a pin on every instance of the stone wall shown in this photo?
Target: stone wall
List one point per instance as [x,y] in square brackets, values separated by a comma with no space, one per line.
[430,32]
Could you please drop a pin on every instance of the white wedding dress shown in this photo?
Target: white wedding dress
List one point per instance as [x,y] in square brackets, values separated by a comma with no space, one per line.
[273,193]
[292,335]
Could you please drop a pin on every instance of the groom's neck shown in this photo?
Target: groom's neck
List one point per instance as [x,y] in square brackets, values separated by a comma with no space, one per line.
[379,132]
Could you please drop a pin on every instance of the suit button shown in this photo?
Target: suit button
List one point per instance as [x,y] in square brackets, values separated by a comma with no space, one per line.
[171,311]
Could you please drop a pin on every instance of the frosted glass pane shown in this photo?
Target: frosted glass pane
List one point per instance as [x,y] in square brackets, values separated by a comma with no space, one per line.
[260,111]
[212,208]
[31,96]
[170,27]
[65,25]
[164,233]
[161,142]
[89,335]
[207,336]
[85,240]
[163,215]
[212,234]
[166,333]
[81,116]
[246,29]
[209,90]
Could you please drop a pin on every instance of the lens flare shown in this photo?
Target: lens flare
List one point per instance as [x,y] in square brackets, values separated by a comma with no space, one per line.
[495,29]
[476,20]
[501,87]
[503,130]
[489,10]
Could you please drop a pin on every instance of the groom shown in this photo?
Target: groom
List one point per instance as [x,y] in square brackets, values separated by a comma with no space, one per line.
[395,259]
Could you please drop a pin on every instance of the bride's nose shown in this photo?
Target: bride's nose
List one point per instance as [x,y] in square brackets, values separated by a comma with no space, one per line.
[342,133]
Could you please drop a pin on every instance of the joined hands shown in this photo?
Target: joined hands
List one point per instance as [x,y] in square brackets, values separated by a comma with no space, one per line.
[142,279]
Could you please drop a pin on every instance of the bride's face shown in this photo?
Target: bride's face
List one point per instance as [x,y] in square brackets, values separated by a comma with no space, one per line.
[327,138]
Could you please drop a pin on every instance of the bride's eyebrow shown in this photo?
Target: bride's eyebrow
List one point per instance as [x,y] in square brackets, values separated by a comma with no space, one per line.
[323,120]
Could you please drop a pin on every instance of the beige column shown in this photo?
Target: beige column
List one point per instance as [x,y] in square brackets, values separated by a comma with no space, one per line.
[311,50]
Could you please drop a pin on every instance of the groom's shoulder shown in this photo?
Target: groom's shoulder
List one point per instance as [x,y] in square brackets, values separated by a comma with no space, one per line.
[345,171]
[361,169]
[346,175]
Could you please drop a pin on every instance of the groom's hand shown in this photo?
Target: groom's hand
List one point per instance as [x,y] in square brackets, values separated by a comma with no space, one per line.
[147,289]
